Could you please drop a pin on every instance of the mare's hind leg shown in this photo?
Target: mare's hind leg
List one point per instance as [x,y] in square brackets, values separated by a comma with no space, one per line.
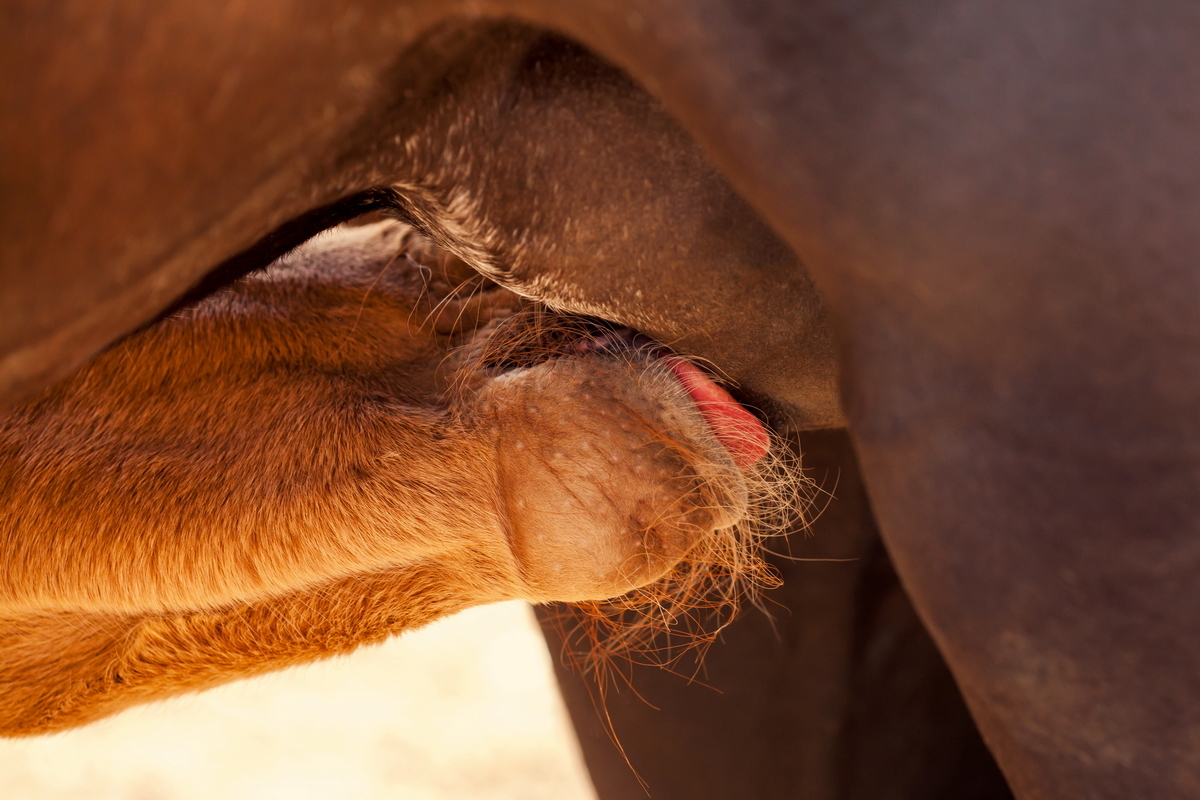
[840,694]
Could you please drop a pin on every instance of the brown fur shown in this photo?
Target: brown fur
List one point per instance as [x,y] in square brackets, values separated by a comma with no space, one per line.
[317,458]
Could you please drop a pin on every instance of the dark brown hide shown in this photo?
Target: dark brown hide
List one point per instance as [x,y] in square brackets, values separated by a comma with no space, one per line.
[998,201]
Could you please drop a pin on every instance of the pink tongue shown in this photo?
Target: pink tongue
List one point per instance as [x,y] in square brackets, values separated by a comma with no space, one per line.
[735,427]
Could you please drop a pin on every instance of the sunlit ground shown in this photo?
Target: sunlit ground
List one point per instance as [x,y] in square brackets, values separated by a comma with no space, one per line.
[465,708]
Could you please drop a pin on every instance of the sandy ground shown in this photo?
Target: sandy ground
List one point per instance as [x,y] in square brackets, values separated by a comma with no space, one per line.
[462,709]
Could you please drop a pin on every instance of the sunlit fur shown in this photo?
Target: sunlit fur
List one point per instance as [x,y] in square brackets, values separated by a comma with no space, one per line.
[334,451]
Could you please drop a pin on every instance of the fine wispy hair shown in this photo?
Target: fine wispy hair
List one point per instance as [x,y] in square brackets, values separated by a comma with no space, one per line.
[685,611]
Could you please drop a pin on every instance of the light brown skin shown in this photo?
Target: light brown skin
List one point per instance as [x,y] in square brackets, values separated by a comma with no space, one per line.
[315,459]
